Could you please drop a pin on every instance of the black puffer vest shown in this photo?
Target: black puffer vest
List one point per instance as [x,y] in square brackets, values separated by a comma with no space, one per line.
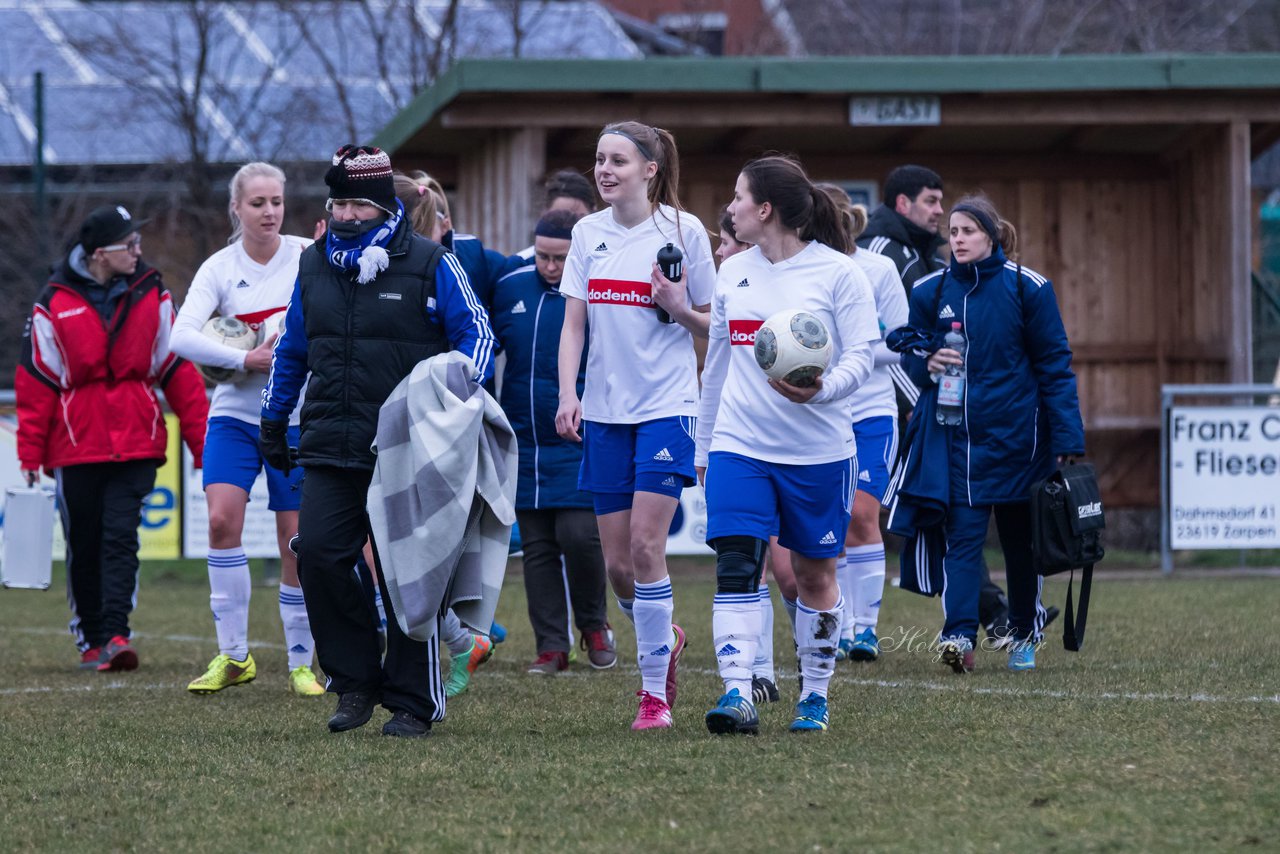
[362,340]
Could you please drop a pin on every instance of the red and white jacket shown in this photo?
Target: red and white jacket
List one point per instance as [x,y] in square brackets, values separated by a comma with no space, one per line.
[85,387]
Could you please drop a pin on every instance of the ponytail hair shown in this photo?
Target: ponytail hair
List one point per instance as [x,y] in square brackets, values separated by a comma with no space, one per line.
[781,181]
[980,209]
[419,202]
[659,146]
[257,169]
[853,218]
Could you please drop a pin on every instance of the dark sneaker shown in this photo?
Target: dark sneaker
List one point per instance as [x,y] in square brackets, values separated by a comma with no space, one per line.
[600,649]
[118,655]
[763,690]
[354,710]
[91,658]
[549,663]
[406,725]
[734,714]
[957,653]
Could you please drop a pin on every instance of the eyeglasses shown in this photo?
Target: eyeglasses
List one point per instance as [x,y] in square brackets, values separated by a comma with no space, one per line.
[134,245]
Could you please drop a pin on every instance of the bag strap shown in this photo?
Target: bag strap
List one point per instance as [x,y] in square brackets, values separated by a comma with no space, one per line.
[1073,624]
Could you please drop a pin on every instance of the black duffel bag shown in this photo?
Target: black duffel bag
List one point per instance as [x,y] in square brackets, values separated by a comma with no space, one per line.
[1067,521]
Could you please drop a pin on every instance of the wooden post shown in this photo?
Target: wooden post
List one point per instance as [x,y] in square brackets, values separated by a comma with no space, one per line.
[499,188]
[1237,216]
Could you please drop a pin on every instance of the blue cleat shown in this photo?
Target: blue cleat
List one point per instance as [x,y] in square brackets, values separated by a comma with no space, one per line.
[811,715]
[733,714]
[497,632]
[842,651]
[1022,656]
[865,647]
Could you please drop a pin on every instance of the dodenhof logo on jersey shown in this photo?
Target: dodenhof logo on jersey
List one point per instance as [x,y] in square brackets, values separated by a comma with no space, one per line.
[620,292]
[743,332]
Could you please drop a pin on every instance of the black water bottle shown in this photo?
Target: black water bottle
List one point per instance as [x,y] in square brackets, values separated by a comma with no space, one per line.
[671,263]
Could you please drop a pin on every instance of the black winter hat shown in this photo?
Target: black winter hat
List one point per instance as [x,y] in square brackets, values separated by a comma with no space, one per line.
[362,172]
[107,225]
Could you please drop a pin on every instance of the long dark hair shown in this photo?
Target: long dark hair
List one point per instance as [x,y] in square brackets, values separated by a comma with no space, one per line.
[781,181]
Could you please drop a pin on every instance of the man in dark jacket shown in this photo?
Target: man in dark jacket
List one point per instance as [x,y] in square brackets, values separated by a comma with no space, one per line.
[372,300]
[905,228]
[557,520]
[95,345]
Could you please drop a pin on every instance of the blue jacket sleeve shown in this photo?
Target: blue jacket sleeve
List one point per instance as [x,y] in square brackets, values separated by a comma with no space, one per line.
[463,316]
[914,360]
[1050,355]
[288,363]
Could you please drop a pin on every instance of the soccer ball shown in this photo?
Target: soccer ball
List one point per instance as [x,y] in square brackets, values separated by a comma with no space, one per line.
[273,325]
[793,346]
[232,332]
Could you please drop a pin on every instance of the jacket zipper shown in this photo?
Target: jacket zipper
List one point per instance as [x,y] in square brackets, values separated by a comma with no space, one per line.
[533,415]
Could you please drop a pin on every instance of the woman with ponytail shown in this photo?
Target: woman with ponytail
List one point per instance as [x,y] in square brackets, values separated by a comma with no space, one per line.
[1021,412]
[251,279]
[641,394]
[861,567]
[777,458]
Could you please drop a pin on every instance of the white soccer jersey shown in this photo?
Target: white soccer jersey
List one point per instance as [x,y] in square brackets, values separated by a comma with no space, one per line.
[232,284]
[740,412]
[875,396]
[637,369]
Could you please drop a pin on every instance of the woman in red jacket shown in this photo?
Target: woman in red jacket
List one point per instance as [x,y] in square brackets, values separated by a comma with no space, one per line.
[95,345]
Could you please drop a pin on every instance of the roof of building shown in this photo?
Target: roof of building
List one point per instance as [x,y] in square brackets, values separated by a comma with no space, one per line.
[879,75]
[284,81]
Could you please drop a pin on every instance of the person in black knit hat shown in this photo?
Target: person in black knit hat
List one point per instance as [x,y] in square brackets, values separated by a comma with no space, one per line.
[371,301]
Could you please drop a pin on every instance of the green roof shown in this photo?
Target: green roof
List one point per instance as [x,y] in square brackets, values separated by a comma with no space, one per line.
[870,75]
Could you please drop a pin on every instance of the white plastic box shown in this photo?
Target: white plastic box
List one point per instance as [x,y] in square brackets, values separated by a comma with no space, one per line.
[28,537]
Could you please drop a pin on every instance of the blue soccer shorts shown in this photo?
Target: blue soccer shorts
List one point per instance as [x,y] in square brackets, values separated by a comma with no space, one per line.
[807,506]
[619,460]
[231,456]
[877,443]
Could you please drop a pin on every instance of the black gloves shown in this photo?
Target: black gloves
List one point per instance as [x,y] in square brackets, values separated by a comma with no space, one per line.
[273,442]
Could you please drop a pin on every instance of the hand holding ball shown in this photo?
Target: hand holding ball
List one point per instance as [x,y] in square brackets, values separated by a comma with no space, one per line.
[793,346]
[231,332]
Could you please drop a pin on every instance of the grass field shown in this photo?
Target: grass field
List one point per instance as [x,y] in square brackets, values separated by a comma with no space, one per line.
[1161,735]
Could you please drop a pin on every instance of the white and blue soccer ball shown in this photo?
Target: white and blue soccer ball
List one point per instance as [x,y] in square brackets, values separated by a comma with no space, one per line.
[233,332]
[793,346]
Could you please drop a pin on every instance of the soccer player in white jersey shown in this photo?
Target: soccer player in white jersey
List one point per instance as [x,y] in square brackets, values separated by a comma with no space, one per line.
[860,570]
[641,394]
[779,458]
[251,279]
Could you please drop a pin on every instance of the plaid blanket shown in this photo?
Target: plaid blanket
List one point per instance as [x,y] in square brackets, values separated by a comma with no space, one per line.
[442,499]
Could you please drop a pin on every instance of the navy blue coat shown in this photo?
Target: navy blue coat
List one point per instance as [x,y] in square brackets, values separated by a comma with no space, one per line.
[1021,404]
[527,314]
[483,266]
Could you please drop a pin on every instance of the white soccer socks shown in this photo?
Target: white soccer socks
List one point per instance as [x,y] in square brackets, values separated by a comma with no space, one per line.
[817,635]
[654,637]
[735,623]
[456,636]
[297,627]
[844,577]
[866,587]
[229,588]
[763,665]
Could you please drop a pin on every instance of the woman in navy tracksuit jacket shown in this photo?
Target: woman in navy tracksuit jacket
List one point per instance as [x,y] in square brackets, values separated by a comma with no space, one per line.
[556,518]
[1021,416]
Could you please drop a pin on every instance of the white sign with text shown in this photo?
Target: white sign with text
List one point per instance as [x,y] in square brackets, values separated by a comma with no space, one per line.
[1224,477]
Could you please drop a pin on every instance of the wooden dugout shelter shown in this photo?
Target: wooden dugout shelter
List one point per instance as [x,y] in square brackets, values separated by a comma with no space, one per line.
[1126,176]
